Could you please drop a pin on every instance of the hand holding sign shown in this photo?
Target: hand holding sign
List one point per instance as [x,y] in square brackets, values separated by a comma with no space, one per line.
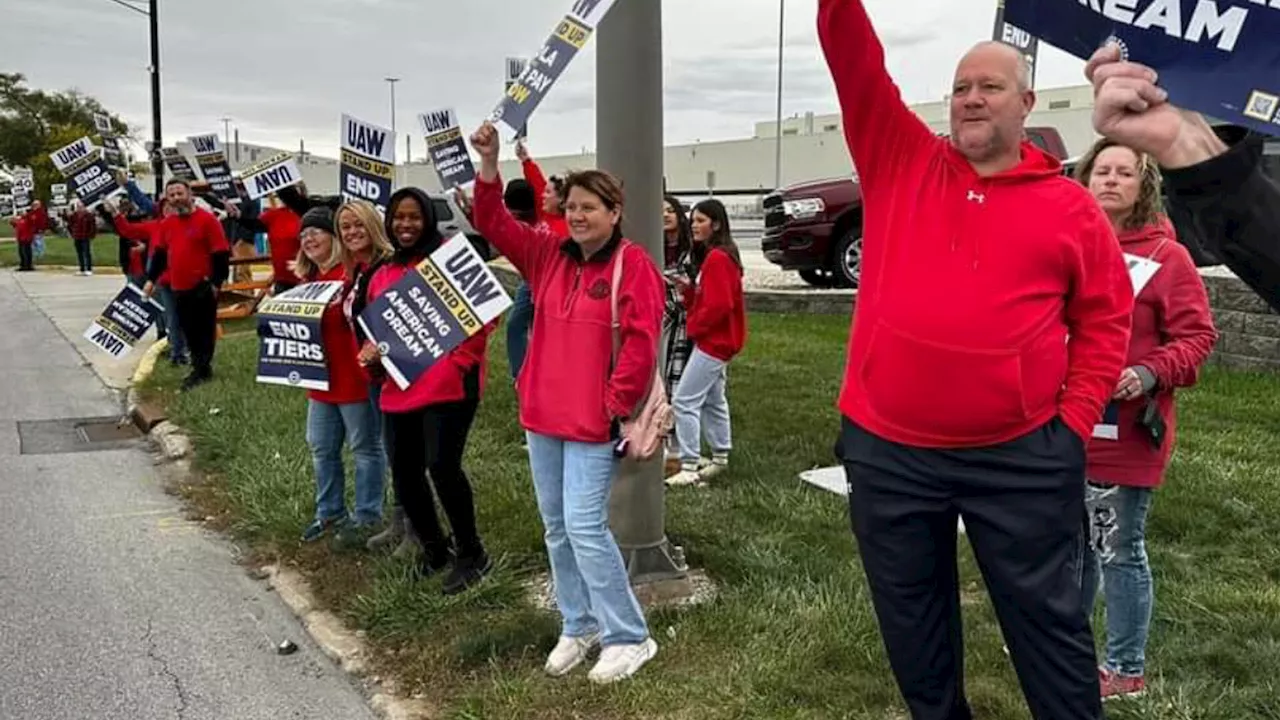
[1130,109]
[485,141]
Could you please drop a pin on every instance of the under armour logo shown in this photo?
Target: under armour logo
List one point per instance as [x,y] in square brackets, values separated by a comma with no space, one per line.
[979,197]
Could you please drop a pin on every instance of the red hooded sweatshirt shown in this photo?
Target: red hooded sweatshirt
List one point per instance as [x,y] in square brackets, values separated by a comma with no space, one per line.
[1173,334]
[717,321]
[282,226]
[347,383]
[538,183]
[567,387]
[970,285]
[145,232]
[24,228]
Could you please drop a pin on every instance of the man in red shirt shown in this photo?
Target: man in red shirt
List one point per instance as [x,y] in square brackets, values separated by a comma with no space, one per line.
[991,326]
[192,247]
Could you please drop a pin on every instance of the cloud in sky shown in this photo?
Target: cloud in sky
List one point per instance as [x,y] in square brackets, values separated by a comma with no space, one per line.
[285,70]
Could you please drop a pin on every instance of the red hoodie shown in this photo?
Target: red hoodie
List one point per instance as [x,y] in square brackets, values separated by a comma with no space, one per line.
[347,383]
[567,388]
[538,183]
[717,322]
[443,382]
[24,228]
[282,226]
[970,286]
[1173,334]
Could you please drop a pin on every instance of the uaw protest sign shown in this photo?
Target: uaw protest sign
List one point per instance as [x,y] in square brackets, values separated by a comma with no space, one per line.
[276,172]
[86,171]
[528,90]
[447,148]
[290,344]
[367,166]
[1218,57]
[212,159]
[124,321]
[446,299]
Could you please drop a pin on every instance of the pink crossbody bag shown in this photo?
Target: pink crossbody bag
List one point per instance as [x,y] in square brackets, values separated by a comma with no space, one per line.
[643,435]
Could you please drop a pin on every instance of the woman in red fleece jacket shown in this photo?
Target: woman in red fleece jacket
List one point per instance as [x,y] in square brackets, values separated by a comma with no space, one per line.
[428,422]
[1172,336]
[342,413]
[576,391]
[717,325]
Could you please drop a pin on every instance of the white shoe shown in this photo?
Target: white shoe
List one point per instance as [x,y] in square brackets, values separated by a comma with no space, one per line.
[569,654]
[619,662]
[717,465]
[686,476]
[88,273]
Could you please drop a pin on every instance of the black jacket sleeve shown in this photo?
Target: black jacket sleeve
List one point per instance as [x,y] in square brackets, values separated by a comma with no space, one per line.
[158,264]
[1236,207]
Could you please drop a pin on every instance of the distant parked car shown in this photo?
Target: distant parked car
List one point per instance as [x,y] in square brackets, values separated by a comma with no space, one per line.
[816,227]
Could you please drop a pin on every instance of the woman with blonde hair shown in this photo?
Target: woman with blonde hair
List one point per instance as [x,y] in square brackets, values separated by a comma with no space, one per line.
[1172,336]
[343,412]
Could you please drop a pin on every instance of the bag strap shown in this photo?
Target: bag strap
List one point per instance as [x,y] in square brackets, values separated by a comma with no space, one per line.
[614,324]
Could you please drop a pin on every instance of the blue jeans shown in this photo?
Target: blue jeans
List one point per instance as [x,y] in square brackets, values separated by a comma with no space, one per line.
[701,406]
[572,481]
[357,423]
[173,329]
[518,322]
[1118,561]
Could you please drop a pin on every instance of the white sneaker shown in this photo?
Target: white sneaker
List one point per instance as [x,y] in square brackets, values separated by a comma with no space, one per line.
[619,662]
[88,273]
[686,476]
[717,465]
[569,654]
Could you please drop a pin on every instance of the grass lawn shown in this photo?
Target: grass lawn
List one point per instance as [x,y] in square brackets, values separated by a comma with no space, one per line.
[62,251]
[792,634]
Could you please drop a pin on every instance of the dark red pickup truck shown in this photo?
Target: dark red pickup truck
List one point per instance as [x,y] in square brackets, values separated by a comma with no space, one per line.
[816,227]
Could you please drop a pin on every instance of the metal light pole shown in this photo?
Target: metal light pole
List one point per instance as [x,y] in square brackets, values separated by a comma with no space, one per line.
[629,145]
[157,138]
[226,134]
[391,81]
[777,141]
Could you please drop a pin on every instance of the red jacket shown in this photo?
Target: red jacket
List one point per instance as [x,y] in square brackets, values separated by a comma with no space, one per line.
[24,228]
[970,286]
[82,225]
[189,242]
[144,232]
[1173,334]
[41,218]
[446,380]
[567,387]
[347,383]
[717,320]
[538,183]
[282,226]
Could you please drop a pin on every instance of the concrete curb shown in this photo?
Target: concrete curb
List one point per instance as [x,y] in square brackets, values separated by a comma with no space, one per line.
[344,646]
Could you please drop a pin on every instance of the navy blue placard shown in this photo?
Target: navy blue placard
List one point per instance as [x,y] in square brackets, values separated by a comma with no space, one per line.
[413,325]
[290,336]
[1218,57]
[124,321]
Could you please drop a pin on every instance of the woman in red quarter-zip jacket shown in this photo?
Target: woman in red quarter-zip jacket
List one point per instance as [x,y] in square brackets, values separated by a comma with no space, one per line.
[427,424]
[1172,336]
[573,411]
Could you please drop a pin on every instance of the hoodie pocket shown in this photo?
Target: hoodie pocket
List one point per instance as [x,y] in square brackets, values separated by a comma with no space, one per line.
[942,391]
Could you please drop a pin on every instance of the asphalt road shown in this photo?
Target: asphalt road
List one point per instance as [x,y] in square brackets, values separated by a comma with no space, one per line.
[112,605]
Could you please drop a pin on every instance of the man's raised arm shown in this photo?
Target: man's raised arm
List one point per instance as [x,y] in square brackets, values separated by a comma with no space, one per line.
[878,126]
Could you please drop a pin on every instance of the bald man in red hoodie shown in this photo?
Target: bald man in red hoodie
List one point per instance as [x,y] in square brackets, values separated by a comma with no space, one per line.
[991,327]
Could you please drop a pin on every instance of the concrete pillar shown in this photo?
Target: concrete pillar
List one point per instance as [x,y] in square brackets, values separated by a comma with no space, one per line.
[629,145]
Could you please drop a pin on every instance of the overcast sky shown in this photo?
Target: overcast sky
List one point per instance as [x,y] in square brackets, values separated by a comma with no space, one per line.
[282,74]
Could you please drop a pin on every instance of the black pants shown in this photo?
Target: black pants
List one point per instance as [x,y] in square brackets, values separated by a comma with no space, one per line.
[1023,508]
[84,254]
[433,438]
[198,318]
[26,256]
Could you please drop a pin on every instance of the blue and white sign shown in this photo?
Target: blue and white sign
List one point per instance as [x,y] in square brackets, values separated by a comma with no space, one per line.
[86,171]
[128,317]
[367,165]
[446,299]
[290,341]
[1218,57]
[447,148]
[212,159]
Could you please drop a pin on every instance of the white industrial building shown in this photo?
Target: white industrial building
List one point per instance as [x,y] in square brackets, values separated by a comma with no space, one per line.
[813,147]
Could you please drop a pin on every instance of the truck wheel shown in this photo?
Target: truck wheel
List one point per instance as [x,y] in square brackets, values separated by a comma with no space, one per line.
[816,278]
[847,259]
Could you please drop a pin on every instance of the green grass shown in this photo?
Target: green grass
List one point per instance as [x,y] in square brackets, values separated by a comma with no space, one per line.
[6,229]
[791,634]
[61,251]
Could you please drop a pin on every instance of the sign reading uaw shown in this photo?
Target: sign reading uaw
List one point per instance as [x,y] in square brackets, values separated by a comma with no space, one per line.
[1218,57]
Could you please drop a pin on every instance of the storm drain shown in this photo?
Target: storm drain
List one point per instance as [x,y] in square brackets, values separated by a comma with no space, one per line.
[71,435]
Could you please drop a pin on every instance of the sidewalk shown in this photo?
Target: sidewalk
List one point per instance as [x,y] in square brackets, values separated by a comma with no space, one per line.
[71,303]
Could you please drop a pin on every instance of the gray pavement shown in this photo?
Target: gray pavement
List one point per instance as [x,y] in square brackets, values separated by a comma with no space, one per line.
[112,605]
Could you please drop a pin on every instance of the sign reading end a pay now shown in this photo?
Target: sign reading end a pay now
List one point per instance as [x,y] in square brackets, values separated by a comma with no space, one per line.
[1218,57]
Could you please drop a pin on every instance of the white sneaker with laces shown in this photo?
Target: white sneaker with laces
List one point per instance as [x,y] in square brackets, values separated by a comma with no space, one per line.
[686,476]
[717,465]
[569,653]
[619,662]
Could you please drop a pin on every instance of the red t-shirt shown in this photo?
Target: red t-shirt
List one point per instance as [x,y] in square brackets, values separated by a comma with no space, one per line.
[190,242]
[347,383]
[283,225]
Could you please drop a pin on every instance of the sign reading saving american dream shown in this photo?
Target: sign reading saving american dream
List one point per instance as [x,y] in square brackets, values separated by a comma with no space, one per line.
[447,148]
[1219,57]
[290,346]
[270,175]
[533,85]
[178,165]
[86,172]
[446,299]
[368,162]
[128,317]
[213,164]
